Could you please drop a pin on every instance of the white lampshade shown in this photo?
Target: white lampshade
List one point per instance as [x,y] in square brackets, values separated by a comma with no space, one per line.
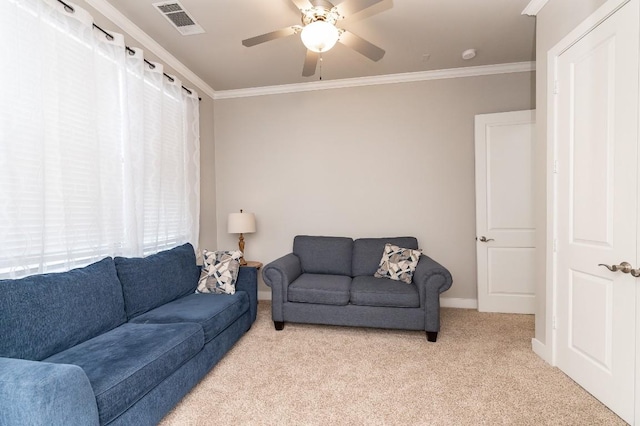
[319,36]
[241,223]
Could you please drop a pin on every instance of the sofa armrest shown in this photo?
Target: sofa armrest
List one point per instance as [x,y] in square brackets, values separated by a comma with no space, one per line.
[248,282]
[42,393]
[278,275]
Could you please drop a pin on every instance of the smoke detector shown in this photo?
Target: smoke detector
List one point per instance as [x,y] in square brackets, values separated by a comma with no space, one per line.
[176,14]
[469,54]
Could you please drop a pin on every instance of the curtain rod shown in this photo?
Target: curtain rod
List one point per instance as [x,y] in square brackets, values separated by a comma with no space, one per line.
[109,37]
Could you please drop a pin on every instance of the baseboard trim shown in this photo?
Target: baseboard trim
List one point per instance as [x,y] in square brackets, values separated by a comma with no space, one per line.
[541,350]
[264,295]
[455,302]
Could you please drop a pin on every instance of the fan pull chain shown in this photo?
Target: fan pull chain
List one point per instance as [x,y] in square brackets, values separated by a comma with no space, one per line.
[320,65]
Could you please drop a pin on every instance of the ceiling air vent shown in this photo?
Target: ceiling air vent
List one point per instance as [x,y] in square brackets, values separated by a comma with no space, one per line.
[179,18]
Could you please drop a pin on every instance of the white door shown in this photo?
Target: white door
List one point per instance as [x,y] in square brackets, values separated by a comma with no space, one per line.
[505,225]
[596,122]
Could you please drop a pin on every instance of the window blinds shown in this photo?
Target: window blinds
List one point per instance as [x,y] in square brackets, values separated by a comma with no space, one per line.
[99,153]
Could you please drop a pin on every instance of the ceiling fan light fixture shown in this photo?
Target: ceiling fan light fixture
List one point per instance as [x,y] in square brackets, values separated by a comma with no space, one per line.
[319,36]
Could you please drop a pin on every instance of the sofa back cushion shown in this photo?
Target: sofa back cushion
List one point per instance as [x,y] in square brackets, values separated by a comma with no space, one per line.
[148,282]
[367,252]
[324,255]
[42,315]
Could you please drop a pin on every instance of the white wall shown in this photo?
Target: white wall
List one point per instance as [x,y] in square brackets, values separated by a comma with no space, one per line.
[384,160]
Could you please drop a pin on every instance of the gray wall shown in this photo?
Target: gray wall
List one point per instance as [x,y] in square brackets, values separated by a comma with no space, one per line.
[556,19]
[386,160]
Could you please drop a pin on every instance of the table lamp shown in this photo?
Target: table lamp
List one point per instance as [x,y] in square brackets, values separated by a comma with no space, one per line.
[241,223]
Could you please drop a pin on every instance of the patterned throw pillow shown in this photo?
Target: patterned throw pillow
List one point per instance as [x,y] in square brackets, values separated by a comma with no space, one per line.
[219,272]
[398,263]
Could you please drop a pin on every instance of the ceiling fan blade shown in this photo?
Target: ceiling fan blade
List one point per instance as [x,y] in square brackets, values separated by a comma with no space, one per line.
[284,32]
[361,46]
[350,7]
[301,4]
[310,63]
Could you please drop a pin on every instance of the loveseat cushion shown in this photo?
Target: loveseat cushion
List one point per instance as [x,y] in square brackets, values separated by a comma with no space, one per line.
[368,251]
[44,314]
[371,291]
[320,288]
[157,279]
[214,312]
[324,255]
[124,364]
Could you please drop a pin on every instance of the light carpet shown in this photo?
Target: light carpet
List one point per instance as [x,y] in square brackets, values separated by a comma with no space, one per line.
[481,371]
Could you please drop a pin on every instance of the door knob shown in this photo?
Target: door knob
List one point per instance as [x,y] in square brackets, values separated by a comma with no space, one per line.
[624,267]
[484,239]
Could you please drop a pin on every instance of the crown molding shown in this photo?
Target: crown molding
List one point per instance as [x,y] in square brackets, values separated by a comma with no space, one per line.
[150,44]
[534,7]
[378,80]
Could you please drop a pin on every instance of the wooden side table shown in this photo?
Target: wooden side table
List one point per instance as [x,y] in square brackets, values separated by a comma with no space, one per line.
[253,264]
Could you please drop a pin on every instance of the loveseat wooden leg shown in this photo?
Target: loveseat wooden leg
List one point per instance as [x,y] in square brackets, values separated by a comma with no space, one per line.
[432,336]
[279,325]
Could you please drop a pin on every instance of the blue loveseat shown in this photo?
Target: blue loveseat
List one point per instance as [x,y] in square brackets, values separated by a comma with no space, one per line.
[118,342]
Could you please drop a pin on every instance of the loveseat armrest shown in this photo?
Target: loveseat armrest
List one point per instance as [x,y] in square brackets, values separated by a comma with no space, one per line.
[430,273]
[40,393]
[432,279]
[278,275]
[282,271]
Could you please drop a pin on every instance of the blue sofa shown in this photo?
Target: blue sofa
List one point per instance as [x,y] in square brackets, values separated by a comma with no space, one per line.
[330,280]
[118,342]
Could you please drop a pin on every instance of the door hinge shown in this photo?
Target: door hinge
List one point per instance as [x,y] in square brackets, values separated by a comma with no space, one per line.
[554,323]
[555,245]
[556,87]
[555,167]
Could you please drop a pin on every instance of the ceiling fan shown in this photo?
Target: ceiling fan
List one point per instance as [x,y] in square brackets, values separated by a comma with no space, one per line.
[319,32]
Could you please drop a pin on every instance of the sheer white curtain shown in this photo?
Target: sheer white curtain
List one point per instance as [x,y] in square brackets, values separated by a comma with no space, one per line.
[163,161]
[99,153]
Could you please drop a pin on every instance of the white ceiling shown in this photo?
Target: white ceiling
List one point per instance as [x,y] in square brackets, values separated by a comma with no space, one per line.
[406,29]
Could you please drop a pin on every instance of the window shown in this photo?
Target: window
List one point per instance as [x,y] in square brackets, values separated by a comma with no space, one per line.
[99,153]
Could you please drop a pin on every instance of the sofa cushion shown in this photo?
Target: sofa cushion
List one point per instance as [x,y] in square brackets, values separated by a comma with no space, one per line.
[124,364]
[44,314]
[371,291]
[324,255]
[368,251]
[320,288]
[214,312]
[157,279]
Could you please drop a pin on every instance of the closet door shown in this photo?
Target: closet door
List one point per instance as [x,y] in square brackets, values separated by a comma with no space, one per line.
[596,121]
